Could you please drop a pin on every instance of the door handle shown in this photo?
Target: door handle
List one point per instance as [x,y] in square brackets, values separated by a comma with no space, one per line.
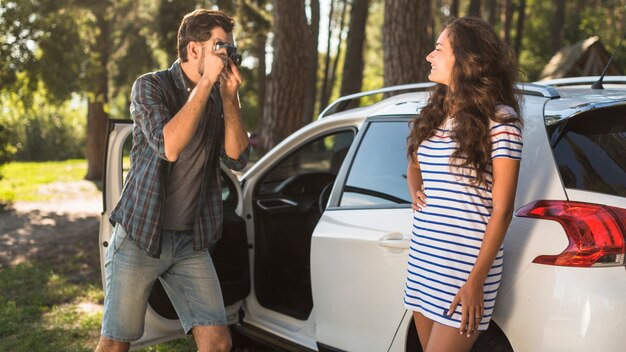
[395,240]
[276,203]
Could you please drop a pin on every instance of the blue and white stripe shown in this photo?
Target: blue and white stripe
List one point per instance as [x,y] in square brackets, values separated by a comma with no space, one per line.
[448,232]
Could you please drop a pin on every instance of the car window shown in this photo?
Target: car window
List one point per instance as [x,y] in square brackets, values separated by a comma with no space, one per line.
[324,154]
[590,151]
[377,176]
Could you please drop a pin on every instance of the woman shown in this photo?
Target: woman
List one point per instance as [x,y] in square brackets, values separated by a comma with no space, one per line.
[465,152]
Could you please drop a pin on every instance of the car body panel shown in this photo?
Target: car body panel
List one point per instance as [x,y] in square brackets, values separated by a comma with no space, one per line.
[566,309]
[358,269]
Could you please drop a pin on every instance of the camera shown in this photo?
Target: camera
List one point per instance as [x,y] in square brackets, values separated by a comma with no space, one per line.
[231,51]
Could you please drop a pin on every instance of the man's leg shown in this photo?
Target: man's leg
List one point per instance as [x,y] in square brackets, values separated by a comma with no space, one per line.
[130,275]
[194,289]
[212,338]
[108,345]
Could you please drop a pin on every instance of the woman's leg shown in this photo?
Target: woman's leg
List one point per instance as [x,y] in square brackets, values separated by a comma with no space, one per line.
[424,326]
[444,339]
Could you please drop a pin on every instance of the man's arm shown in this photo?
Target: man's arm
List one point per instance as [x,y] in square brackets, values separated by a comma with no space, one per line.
[178,131]
[235,135]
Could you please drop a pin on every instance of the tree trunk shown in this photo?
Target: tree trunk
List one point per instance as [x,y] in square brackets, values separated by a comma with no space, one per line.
[507,21]
[474,8]
[96,114]
[333,72]
[521,18]
[557,25]
[405,41]
[259,51]
[454,8]
[311,93]
[352,79]
[326,77]
[284,101]
[493,11]
[225,5]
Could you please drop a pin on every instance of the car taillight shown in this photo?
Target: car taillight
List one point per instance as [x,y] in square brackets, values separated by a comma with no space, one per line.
[596,233]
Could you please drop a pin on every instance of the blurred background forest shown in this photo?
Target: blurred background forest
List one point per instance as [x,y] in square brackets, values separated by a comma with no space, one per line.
[68,65]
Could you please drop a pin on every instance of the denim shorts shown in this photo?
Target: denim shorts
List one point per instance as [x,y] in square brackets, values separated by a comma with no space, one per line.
[188,276]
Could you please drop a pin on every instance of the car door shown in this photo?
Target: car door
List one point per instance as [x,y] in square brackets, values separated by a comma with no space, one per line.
[360,246]
[230,254]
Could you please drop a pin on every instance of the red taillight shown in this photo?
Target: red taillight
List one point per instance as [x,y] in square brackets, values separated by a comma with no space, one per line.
[596,233]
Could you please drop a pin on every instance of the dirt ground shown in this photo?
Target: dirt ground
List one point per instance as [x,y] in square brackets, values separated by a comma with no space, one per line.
[51,231]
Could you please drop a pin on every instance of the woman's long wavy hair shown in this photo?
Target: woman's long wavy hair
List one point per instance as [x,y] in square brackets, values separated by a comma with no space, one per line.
[483,75]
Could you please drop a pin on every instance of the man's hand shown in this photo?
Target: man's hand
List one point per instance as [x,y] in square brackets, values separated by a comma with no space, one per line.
[230,81]
[212,64]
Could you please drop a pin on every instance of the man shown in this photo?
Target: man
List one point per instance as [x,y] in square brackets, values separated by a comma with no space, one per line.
[186,119]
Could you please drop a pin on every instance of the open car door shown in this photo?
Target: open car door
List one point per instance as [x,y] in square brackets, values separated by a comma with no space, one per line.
[230,254]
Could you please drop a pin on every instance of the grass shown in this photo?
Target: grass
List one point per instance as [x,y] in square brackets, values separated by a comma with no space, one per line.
[22,181]
[53,303]
[44,308]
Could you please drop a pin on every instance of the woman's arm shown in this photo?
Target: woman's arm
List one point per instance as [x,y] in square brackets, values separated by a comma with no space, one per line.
[505,174]
[415,183]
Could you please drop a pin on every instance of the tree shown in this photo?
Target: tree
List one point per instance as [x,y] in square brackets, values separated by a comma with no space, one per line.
[474,8]
[284,100]
[168,17]
[454,8]
[521,18]
[330,66]
[507,21]
[311,93]
[492,11]
[405,38]
[68,45]
[557,25]
[353,64]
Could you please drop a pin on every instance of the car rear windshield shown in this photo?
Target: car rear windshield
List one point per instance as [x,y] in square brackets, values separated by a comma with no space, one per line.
[590,150]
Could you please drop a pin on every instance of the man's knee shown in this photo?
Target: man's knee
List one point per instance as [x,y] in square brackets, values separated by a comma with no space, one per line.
[107,345]
[212,338]
[224,343]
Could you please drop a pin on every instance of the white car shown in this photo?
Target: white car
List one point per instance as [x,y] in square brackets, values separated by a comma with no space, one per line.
[314,250]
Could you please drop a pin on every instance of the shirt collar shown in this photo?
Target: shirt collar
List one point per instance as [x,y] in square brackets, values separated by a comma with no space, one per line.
[180,79]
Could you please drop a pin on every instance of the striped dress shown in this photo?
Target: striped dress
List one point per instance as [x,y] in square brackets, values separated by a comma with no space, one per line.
[448,232]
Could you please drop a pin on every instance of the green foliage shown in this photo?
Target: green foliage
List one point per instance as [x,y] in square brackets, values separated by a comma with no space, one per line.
[38,130]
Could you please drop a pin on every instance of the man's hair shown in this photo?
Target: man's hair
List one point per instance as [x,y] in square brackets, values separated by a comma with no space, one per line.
[197,26]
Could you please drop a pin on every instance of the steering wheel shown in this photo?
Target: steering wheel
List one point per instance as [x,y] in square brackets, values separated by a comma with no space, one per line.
[323,198]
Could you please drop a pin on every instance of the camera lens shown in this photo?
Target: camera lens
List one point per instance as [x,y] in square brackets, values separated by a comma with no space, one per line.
[236,58]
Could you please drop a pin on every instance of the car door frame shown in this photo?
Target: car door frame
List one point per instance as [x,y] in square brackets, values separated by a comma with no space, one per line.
[394,245]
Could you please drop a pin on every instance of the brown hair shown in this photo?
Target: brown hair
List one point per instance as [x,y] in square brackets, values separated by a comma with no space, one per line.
[197,26]
[483,76]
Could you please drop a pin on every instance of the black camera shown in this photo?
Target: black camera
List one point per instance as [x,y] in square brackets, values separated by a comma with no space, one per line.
[231,51]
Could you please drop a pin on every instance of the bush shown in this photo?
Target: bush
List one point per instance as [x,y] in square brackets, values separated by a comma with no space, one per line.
[40,130]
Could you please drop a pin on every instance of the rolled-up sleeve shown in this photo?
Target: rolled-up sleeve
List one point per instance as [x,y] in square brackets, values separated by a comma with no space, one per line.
[235,164]
[148,109]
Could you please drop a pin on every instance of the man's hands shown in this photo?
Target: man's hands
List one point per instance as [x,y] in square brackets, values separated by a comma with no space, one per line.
[230,81]
[211,65]
[216,65]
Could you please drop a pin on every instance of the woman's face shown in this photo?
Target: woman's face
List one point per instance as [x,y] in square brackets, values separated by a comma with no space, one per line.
[441,60]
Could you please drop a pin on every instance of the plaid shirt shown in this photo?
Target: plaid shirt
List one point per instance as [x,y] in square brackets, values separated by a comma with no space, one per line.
[156,97]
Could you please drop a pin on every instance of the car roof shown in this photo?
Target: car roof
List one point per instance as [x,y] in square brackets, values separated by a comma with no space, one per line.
[565,97]
[577,96]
